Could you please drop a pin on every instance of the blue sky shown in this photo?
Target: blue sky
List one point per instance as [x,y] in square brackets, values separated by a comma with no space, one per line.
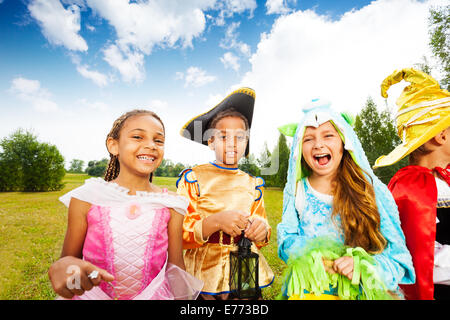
[69,68]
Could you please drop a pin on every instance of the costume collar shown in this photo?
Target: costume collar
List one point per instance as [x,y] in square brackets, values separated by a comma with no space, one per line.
[220,167]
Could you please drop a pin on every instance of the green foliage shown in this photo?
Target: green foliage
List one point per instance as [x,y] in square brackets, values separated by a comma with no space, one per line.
[169,169]
[439,26]
[76,166]
[97,168]
[378,137]
[279,155]
[28,165]
[249,165]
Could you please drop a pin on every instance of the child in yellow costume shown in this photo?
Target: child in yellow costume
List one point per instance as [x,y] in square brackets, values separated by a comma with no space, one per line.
[223,200]
[422,189]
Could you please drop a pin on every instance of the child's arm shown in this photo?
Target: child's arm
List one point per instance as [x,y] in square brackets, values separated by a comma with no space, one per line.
[175,231]
[76,228]
[288,233]
[197,229]
[71,266]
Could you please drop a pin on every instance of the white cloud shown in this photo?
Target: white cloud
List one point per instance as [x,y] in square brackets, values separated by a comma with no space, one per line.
[307,56]
[213,100]
[97,105]
[30,91]
[129,64]
[140,26]
[229,60]
[98,78]
[279,6]
[227,8]
[230,41]
[195,77]
[157,104]
[60,26]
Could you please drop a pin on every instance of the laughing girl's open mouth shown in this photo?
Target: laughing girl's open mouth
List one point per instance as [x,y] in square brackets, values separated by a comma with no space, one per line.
[322,159]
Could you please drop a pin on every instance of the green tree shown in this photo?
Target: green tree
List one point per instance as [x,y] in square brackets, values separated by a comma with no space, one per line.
[248,164]
[280,159]
[97,168]
[439,30]
[168,169]
[378,136]
[76,166]
[28,165]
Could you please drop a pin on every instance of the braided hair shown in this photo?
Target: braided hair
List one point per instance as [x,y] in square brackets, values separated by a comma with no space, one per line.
[113,168]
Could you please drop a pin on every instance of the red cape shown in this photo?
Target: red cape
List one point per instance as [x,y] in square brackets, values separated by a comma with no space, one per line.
[415,192]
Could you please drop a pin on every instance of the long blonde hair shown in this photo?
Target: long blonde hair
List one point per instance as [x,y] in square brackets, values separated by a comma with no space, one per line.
[113,168]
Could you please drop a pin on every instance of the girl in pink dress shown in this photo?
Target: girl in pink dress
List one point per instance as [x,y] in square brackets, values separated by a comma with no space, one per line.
[124,234]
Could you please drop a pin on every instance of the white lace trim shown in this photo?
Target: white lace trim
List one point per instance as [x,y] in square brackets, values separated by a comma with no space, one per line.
[100,192]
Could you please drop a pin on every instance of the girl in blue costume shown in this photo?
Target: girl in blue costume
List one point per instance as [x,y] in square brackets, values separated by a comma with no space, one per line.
[340,233]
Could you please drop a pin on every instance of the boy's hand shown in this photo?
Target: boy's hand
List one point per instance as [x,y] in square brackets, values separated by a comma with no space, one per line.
[256,230]
[232,222]
[69,276]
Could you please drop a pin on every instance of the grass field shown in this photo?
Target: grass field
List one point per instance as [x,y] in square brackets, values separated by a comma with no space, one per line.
[32,228]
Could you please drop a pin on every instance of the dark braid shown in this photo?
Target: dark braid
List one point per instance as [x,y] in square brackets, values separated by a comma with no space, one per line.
[114,166]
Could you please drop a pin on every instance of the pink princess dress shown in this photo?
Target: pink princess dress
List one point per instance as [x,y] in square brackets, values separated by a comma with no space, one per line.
[127,236]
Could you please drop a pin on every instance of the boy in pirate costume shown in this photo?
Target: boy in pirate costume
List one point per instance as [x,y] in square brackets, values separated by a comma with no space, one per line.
[223,200]
[421,190]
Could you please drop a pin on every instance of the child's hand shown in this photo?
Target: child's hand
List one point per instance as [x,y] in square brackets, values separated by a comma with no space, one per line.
[344,266]
[232,222]
[69,276]
[256,230]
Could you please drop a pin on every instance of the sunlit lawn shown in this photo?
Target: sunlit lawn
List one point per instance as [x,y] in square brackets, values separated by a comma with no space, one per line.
[32,228]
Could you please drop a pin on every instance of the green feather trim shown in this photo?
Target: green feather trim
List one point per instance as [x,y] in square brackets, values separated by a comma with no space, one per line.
[306,272]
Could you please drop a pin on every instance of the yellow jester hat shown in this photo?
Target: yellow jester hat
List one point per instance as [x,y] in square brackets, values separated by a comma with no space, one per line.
[424,111]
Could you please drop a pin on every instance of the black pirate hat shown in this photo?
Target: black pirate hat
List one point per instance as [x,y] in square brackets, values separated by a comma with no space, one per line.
[242,100]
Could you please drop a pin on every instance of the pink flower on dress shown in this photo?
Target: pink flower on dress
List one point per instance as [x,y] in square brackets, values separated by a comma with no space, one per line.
[134,211]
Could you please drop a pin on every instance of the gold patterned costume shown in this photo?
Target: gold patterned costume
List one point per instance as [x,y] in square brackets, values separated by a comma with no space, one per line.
[212,189]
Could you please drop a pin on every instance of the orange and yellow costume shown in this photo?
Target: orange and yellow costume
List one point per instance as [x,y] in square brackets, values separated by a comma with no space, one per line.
[212,189]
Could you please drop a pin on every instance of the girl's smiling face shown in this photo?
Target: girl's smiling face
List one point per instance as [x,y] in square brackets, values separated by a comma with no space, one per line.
[322,149]
[140,147]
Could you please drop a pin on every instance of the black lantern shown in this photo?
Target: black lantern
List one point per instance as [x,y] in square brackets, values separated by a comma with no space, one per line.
[244,271]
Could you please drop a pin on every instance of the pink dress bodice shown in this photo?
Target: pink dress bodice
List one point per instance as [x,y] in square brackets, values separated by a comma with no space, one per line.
[132,247]
[127,235]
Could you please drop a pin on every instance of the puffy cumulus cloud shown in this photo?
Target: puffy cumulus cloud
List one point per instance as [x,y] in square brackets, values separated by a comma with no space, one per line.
[140,26]
[229,60]
[59,25]
[307,56]
[30,91]
[195,77]
[279,6]
[130,64]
